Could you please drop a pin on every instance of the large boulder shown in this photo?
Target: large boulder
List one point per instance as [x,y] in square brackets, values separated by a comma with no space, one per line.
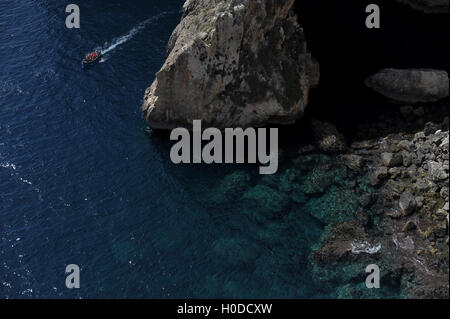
[233,63]
[428,6]
[437,171]
[391,159]
[411,85]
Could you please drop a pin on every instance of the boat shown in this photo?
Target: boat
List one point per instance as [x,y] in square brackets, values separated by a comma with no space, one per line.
[92,57]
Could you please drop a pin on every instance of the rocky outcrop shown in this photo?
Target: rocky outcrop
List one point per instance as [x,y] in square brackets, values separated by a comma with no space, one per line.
[233,63]
[411,85]
[428,6]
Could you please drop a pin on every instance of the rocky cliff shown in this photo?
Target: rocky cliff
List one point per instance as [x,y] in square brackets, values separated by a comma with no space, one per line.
[381,191]
[233,63]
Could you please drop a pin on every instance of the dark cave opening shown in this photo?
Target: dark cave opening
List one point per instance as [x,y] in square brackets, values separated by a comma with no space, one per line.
[349,52]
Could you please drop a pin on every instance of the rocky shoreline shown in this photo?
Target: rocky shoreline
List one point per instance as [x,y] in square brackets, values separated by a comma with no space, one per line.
[382,193]
[409,173]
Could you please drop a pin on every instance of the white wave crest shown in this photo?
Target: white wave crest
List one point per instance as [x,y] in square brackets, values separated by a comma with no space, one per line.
[8,165]
[121,40]
[365,247]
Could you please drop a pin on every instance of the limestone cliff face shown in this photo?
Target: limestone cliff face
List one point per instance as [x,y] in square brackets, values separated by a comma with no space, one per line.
[233,63]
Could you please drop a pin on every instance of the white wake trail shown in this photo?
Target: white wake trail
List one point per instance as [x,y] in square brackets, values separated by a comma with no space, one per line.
[131,34]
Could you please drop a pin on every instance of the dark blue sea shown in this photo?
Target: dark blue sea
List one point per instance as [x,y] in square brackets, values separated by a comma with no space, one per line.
[84,180]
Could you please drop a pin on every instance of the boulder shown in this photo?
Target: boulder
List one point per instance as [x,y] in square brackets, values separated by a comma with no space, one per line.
[327,137]
[394,214]
[410,225]
[354,162]
[395,172]
[420,200]
[437,171]
[406,145]
[378,176]
[444,192]
[445,144]
[407,203]
[392,159]
[407,159]
[411,85]
[423,185]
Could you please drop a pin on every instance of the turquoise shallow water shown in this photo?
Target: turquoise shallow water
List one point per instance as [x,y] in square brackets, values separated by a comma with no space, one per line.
[84,181]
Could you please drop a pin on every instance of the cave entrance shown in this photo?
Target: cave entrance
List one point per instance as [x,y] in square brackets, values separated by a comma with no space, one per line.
[348,52]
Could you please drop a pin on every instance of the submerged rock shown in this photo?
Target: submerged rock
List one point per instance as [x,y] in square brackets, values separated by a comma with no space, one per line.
[232,187]
[354,162]
[327,137]
[233,63]
[262,202]
[336,205]
[411,85]
[318,180]
[322,176]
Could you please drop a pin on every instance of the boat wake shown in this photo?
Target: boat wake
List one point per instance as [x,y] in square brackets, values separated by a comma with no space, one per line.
[125,38]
